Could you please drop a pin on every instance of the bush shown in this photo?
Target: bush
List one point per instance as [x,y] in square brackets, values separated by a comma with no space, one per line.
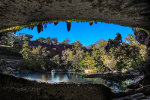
[30,60]
[34,63]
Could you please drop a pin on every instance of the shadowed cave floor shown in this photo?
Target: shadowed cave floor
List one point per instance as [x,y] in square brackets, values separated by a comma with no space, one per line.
[12,88]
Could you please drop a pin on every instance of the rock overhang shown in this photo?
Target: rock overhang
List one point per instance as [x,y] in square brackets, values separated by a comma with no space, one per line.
[17,14]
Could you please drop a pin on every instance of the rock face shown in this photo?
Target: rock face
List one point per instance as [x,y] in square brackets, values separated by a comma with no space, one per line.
[133,13]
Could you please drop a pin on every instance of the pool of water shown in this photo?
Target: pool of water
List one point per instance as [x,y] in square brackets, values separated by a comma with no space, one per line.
[71,77]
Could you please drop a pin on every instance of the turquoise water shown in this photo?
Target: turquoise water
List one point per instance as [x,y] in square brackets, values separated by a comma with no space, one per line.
[70,77]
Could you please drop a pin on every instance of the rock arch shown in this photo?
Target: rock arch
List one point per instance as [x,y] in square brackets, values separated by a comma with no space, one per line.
[132,13]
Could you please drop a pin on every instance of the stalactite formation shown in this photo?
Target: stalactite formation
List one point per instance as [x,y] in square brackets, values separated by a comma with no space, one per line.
[39,28]
[55,22]
[68,26]
[32,27]
[132,13]
[91,23]
[29,27]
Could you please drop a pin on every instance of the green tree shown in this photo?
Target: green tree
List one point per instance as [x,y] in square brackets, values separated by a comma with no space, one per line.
[72,60]
[28,37]
[67,57]
[119,55]
[40,39]
[66,41]
[30,60]
[48,41]
[96,55]
[54,41]
[130,39]
[77,45]
[88,62]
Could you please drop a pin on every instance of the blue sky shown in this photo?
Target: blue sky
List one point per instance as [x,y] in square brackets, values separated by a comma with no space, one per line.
[81,31]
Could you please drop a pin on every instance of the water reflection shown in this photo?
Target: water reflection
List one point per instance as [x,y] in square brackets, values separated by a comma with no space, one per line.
[69,77]
[52,77]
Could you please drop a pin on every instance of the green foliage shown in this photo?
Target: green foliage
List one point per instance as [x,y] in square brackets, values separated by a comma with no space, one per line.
[28,36]
[142,48]
[32,59]
[77,45]
[34,63]
[72,60]
[66,41]
[67,57]
[96,54]
[130,39]
[48,40]
[111,55]
[56,60]
[54,41]
[120,56]
[88,62]
[76,59]
[40,39]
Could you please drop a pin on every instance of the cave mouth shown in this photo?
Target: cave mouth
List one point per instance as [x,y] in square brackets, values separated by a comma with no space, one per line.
[59,39]
[36,51]
[62,45]
[117,56]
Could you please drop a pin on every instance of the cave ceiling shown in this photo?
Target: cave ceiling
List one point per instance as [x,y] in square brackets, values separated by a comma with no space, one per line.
[132,13]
